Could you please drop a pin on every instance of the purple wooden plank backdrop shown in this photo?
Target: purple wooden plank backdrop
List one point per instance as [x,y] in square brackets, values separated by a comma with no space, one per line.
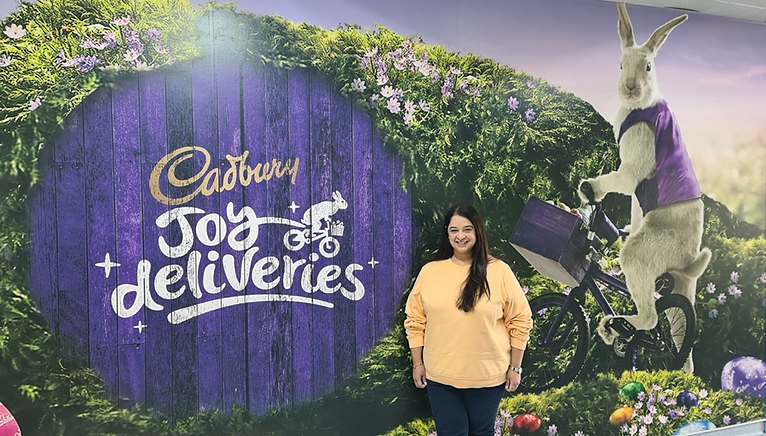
[317,270]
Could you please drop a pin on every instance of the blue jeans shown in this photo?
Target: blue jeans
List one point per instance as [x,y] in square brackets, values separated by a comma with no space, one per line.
[461,412]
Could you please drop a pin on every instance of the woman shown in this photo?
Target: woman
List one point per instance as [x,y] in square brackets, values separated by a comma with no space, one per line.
[467,325]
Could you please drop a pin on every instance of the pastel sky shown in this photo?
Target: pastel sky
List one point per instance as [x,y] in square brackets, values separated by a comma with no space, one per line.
[712,70]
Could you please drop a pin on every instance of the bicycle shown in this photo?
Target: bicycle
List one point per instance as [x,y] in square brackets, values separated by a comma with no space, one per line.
[560,337]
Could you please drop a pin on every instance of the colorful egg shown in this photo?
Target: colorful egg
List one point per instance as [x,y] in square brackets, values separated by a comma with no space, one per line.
[623,415]
[8,424]
[745,375]
[688,399]
[526,423]
[694,427]
[631,390]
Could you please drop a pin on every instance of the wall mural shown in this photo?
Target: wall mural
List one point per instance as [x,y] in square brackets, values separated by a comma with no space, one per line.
[210,217]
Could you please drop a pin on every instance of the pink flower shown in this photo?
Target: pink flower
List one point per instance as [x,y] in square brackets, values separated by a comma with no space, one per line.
[5,60]
[393,105]
[123,21]
[513,103]
[15,31]
[131,55]
[34,104]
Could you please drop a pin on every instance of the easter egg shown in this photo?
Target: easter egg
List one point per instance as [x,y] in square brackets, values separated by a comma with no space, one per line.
[526,423]
[694,427]
[688,399]
[631,390]
[623,415]
[745,375]
[8,424]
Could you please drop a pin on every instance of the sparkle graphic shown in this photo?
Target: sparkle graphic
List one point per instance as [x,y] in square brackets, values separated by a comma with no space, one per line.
[373,262]
[293,207]
[107,264]
[140,327]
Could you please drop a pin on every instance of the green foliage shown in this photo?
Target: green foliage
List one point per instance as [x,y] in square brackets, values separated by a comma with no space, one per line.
[586,405]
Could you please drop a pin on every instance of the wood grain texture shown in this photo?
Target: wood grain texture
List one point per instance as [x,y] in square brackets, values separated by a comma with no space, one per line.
[277,313]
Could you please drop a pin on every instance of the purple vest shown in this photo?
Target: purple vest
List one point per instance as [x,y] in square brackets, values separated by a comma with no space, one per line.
[674,179]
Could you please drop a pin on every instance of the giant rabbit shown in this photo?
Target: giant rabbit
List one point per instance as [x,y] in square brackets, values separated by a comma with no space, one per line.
[655,169]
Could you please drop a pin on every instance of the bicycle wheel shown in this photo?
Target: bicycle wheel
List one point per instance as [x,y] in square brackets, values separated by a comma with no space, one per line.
[559,362]
[667,345]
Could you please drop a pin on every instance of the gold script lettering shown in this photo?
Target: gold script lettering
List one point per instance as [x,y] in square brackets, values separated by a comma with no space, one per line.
[209,180]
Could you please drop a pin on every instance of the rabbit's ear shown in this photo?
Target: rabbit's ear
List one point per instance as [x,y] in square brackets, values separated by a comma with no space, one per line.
[335,195]
[625,27]
[658,37]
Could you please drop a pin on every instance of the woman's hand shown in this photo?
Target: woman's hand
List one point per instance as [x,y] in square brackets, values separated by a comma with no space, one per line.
[512,380]
[419,376]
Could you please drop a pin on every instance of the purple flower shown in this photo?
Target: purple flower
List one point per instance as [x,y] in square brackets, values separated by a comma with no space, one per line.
[551,430]
[455,71]
[365,62]
[34,104]
[673,413]
[87,63]
[710,288]
[525,289]
[713,313]
[513,103]
[643,431]
[408,118]
[726,420]
[381,80]
[5,60]
[89,43]
[646,419]
[123,21]
[734,291]
[531,84]
[708,410]
[15,31]
[462,86]
[734,276]
[393,105]
[529,115]
[435,77]
[160,48]
[423,105]
[153,34]
[409,106]
[738,401]
[110,39]
[721,299]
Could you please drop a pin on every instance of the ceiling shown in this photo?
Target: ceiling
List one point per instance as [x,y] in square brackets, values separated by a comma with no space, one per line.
[754,10]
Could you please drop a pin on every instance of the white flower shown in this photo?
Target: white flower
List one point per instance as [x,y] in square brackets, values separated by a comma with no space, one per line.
[358,85]
[15,31]
[387,91]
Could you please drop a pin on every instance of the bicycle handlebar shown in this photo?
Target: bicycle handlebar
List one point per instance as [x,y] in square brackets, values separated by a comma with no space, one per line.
[587,190]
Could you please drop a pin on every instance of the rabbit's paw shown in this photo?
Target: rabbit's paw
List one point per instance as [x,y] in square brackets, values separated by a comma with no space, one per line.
[607,334]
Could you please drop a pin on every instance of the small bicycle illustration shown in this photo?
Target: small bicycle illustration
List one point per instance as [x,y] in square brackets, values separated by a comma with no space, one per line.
[295,239]
[559,340]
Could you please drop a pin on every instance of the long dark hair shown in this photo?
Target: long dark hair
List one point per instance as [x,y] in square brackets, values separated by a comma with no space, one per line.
[476,284]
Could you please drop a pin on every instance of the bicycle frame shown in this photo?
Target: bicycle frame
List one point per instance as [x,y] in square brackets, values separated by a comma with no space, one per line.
[589,284]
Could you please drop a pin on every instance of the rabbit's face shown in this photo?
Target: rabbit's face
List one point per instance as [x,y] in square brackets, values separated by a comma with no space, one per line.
[638,81]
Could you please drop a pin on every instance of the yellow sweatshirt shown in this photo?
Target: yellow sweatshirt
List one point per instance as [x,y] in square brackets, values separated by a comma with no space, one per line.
[466,350]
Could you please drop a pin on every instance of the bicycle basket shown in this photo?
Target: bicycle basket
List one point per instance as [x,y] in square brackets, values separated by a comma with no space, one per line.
[554,241]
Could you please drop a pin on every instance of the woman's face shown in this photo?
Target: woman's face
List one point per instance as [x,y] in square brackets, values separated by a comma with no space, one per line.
[461,234]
